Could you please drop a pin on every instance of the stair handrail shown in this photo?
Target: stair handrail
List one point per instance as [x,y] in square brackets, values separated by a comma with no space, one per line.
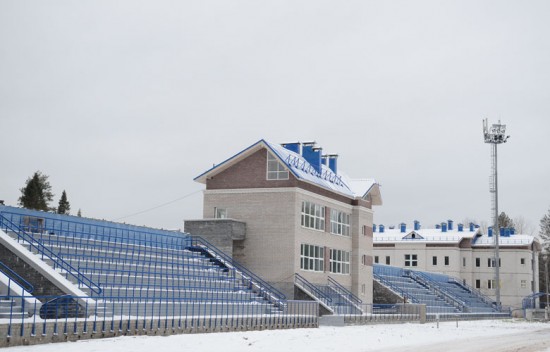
[474,291]
[45,251]
[344,292]
[319,294]
[442,291]
[395,288]
[15,277]
[273,294]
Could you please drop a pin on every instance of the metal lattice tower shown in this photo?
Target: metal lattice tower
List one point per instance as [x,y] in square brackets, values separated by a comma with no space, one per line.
[495,135]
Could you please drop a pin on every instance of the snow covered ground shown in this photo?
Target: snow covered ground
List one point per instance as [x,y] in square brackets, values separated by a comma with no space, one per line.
[489,335]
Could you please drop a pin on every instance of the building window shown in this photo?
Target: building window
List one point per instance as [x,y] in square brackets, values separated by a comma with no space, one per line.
[478,283]
[339,261]
[220,213]
[339,222]
[446,260]
[388,260]
[411,260]
[522,261]
[376,259]
[312,257]
[491,262]
[363,289]
[313,216]
[434,260]
[478,262]
[523,283]
[464,261]
[491,284]
[364,259]
[275,170]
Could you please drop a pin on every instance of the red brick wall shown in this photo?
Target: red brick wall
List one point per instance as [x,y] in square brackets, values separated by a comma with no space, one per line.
[251,173]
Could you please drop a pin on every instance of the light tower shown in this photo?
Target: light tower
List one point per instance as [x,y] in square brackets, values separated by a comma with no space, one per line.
[495,136]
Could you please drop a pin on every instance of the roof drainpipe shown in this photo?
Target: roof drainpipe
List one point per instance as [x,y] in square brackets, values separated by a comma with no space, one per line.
[333,162]
[443,227]
[293,147]
[450,225]
[381,228]
[416,225]
[403,227]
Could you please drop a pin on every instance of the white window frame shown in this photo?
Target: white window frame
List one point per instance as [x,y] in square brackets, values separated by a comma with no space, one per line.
[312,257]
[339,223]
[220,213]
[491,284]
[340,261]
[523,283]
[411,260]
[275,170]
[313,216]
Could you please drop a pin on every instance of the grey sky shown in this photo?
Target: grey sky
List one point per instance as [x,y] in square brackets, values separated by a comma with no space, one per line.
[123,103]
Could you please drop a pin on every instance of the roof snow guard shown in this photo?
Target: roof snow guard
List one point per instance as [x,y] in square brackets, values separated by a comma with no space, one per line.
[320,174]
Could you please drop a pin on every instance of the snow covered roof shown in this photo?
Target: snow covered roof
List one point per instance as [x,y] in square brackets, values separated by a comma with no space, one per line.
[451,236]
[303,170]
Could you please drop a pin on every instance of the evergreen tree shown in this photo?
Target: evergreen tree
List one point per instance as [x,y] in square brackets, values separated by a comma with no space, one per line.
[64,206]
[79,214]
[37,193]
[544,232]
[504,221]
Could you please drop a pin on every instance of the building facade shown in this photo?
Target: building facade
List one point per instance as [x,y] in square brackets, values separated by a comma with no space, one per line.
[465,253]
[301,216]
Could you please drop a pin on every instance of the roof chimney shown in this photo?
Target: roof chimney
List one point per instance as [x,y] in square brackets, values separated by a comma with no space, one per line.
[381,228]
[490,232]
[403,227]
[293,147]
[373,227]
[472,227]
[443,227]
[450,224]
[460,227]
[333,162]
[312,155]
[416,225]
[512,231]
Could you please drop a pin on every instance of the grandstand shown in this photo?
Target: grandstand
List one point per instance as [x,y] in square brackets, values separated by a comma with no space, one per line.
[440,293]
[125,278]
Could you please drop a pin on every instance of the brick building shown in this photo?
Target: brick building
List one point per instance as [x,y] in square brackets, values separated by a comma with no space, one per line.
[286,209]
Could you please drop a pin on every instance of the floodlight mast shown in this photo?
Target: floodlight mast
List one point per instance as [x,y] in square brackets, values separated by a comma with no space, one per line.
[494,136]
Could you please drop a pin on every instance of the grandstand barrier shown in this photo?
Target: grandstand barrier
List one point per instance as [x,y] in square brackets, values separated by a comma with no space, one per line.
[66,320]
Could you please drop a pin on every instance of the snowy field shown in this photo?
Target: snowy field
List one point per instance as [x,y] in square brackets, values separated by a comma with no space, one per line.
[502,335]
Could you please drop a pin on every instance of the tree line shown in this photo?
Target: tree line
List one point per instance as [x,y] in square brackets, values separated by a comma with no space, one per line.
[37,194]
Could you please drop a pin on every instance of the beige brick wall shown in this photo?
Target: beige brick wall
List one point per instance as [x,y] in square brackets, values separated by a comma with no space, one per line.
[274,235]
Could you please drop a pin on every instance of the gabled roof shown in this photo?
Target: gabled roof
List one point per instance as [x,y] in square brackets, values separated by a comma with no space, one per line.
[303,170]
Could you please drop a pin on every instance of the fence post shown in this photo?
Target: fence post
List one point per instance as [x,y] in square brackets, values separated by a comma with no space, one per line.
[422,313]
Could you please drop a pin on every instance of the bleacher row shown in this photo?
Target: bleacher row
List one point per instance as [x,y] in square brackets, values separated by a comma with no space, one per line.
[128,272]
[440,293]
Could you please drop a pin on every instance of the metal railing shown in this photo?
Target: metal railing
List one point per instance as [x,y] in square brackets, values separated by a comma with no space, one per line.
[300,281]
[249,278]
[71,315]
[15,277]
[344,292]
[46,252]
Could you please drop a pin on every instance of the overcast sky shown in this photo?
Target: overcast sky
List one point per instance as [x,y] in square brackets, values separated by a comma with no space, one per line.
[123,103]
